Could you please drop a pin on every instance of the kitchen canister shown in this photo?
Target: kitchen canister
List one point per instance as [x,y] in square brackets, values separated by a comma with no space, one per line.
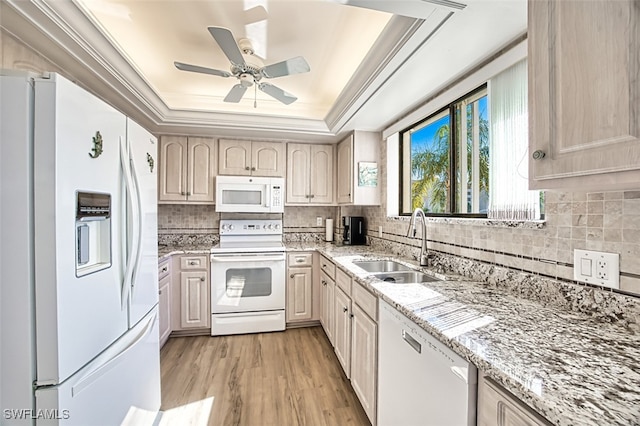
[329,230]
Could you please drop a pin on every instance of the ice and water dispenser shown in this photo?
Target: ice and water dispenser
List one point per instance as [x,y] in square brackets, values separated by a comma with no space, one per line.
[93,232]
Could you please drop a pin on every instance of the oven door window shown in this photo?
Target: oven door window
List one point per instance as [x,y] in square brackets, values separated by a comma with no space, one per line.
[248,282]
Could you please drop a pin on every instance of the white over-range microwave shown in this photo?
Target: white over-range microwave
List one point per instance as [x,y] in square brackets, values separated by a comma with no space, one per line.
[248,194]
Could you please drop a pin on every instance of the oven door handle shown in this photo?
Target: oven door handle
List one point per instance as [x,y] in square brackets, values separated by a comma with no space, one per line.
[247,257]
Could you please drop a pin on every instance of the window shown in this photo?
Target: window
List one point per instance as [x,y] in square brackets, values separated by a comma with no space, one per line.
[470,158]
[445,167]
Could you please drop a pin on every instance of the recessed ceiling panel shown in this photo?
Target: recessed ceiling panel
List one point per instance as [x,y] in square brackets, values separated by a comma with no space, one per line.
[334,39]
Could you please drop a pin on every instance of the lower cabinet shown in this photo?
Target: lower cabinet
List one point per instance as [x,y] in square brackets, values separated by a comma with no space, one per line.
[497,407]
[191,313]
[349,313]
[364,360]
[164,300]
[299,287]
[342,336]
[193,299]
[327,294]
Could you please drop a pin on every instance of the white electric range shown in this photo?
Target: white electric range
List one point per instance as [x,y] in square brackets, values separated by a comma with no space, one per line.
[248,278]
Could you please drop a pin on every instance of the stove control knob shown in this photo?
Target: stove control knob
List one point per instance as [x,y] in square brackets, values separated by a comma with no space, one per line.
[270,227]
[230,227]
[277,226]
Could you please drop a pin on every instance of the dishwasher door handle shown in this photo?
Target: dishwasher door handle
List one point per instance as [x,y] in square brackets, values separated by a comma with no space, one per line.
[411,341]
[461,372]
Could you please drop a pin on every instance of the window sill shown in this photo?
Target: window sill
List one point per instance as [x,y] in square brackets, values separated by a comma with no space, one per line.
[497,223]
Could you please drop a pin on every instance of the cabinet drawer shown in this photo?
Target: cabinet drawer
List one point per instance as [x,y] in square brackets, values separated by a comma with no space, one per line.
[300,259]
[343,281]
[194,262]
[328,267]
[367,301]
[326,279]
[164,269]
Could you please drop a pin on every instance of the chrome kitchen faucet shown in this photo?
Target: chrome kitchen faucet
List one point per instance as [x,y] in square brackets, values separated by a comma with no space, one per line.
[412,225]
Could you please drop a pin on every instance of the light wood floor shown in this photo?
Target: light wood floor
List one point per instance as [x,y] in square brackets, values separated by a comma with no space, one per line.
[281,378]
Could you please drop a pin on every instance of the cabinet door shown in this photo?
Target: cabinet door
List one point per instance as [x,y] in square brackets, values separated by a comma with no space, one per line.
[344,163]
[267,159]
[321,174]
[201,170]
[299,290]
[498,408]
[327,315]
[364,349]
[342,336]
[173,169]
[164,309]
[297,173]
[193,299]
[234,157]
[584,94]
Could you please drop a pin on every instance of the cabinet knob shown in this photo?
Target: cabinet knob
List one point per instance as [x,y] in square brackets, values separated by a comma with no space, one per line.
[538,154]
[160,292]
[350,315]
[188,193]
[345,309]
[311,196]
[291,276]
[183,193]
[253,168]
[201,278]
[247,168]
[193,262]
[164,269]
[300,260]
[324,282]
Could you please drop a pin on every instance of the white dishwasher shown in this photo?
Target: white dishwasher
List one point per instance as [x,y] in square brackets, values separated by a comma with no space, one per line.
[420,380]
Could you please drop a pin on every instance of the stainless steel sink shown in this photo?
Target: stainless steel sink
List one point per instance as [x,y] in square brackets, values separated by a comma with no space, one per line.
[381,266]
[405,277]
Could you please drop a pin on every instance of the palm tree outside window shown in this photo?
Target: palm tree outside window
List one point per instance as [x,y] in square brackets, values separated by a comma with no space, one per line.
[445,166]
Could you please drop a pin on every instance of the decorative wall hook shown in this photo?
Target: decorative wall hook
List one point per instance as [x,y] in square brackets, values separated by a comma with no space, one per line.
[150,161]
[97,146]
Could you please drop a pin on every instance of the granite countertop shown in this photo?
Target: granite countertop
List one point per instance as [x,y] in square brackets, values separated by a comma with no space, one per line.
[569,367]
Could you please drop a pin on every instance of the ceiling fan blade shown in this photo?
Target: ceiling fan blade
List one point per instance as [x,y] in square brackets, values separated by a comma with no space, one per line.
[235,94]
[295,65]
[224,38]
[284,97]
[195,68]
[255,14]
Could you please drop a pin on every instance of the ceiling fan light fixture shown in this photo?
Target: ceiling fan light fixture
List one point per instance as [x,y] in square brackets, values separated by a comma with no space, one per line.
[246,80]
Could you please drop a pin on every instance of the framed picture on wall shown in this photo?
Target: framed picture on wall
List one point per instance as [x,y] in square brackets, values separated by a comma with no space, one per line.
[367,174]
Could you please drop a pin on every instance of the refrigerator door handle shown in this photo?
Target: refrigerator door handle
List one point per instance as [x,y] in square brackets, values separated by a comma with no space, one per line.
[94,374]
[137,222]
[133,239]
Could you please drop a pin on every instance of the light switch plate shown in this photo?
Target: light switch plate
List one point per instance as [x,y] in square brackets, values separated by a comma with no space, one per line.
[595,267]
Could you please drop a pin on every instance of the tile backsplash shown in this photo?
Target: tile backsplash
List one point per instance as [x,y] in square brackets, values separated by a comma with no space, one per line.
[600,221]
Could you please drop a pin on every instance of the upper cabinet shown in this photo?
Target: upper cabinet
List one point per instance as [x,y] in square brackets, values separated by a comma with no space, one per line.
[584,94]
[358,162]
[251,158]
[187,170]
[309,174]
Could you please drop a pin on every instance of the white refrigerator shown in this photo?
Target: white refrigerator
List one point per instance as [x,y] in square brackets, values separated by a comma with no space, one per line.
[78,260]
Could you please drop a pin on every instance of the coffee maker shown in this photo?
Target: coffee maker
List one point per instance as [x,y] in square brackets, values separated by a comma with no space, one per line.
[354,230]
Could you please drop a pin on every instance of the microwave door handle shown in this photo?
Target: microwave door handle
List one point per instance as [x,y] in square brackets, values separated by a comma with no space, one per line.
[267,202]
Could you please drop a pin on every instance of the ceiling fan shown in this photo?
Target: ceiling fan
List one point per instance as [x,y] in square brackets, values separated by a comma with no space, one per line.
[248,68]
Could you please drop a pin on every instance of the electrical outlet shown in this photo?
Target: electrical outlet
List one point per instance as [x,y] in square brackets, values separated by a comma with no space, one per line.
[319,221]
[602,269]
[595,267]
